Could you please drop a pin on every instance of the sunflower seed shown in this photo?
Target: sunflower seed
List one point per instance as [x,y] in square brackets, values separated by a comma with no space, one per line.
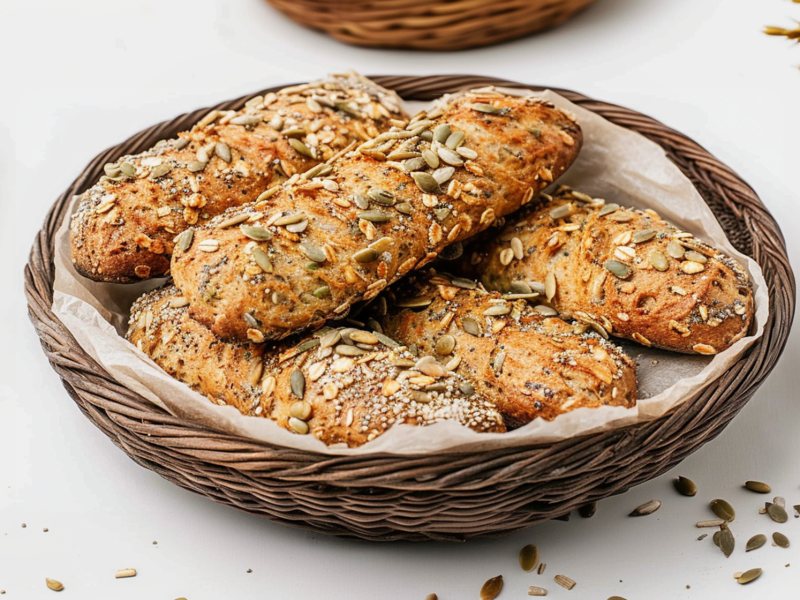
[696,257]
[414,302]
[184,240]
[491,588]
[755,542]
[658,260]
[488,109]
[780,501]
[256,233]
[780,539]
[450,157]
[223,151]
[497,363]
[647,508]
[497,310]
[559,212]
[426,183]
[301,410]
[54,585]
[710,523]
[643,235]
[550,286]
[414,164]
[608,209]
[675,250]
[691,267]
[757,486]
[618,269]
[234,220]
[545,311]
[208,245]
[777,513]
[251,320]
[262,260]
[123,573]
[749,576]
[471,326]
[245,120]
[445,345]
[160,170]
[298,426]
[347,350]
[195,166]
[726,542]
[535,590]
[685,486]
[430,158]
[722,509]
[587,511]
[564,581]
[467,153]
[529,558]
[298,227]
[381,196]
[363,337]
[374,216]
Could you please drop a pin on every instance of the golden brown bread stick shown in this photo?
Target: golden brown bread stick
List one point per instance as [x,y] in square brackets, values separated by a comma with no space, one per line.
[124,228]
[627,271]
[321,243]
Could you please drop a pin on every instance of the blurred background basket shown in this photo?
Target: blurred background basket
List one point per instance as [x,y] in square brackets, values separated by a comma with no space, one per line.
[449,496]
[429,24]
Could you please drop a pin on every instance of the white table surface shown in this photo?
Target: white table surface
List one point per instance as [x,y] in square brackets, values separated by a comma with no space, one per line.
[82,75]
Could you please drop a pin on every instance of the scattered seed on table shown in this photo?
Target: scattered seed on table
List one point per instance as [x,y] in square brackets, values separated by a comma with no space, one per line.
[54,585]
[749,576]
[777,513]
[123,573]
[535,590]
[529,558]
[541,569]
[702,537]
[431,597]
[723,509]
[685,486]
[710,523]
[726,542]
[757,486]
[564,581]
[755,542]
[491,588]
[780,539]
[647,508]
[587,511]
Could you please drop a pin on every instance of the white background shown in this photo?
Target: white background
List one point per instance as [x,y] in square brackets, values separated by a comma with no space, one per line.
[81,75]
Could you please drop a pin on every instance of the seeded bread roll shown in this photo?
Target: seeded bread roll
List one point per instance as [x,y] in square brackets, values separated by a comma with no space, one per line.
[622,270]
[340,385]
[344,231]
[124,227]
[530,365]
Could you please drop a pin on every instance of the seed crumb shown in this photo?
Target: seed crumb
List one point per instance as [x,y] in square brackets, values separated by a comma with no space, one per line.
[45,530]
[702,537]
[249,570]
[155,543]
[24,525]
[654,362]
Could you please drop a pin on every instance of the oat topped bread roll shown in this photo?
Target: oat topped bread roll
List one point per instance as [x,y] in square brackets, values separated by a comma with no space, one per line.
[624,271]
[124,228]
[343,385]
[531,365]
[344,231]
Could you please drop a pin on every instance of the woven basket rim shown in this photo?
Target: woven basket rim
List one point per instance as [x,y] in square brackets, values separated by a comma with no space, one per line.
[538,482]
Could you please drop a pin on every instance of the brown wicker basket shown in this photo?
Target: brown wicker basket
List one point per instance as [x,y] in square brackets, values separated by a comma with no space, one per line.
[442,496]
[429,24]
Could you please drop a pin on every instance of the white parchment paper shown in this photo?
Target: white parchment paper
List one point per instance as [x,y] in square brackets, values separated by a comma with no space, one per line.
[615,163]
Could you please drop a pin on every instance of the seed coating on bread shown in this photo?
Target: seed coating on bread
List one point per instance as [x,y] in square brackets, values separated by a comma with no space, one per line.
[622,270]
[125,225]
[346,230]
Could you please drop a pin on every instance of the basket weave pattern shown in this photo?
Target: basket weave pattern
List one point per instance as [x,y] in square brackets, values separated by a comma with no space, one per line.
[429,24]
[442,496]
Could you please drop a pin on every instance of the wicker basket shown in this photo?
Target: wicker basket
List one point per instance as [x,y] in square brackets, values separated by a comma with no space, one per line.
[441,496]
[429,24]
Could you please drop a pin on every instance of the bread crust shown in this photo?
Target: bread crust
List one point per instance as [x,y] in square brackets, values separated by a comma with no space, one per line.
[671,290]
[125,225]
[372,218]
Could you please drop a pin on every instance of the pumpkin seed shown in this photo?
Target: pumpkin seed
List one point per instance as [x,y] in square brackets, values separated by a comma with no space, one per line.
[726,542]
[443,174]
[643,235]
[492,587]
[617,268]
[529,558]
[414,164]
[298,227]
[777,513]
[431,158]
[487,109]
[256,233]
[659,261]
[564,581]
[381,197]
[608,209]
[723,509]
[497,363]
[208,245]
[262,260]
[749,576]
[322,291]
[361,201]
[535,590]
[757,486]
[675,250]
[587,511]
[755,542]
[780,539]
[715,539]
[414,302]
[450,157]
[330,339]
[297,381]
[648,508]
[545,311]
[685,486]
[426,183]
[454,140]
[195,166]
[550,286]
[691,267]
[234,220]
[559,212]
[290,219]
[111,169]
[497,310]
[466,388]
[307,345]
[160,170]
[54,585]
[298,426]
[300,147]
[405,208]
[696,257]
[363,337]
[251,320]
[441,133]
[445,345]
[347,350]
[313,252]
[467,153]
[128,169]
[184,240]
[471,326]
[223,151]
[374,216]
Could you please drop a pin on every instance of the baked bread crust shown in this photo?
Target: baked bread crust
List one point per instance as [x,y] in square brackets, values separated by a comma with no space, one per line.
[333,237]
[124,227]
[345,399]
[624,271]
